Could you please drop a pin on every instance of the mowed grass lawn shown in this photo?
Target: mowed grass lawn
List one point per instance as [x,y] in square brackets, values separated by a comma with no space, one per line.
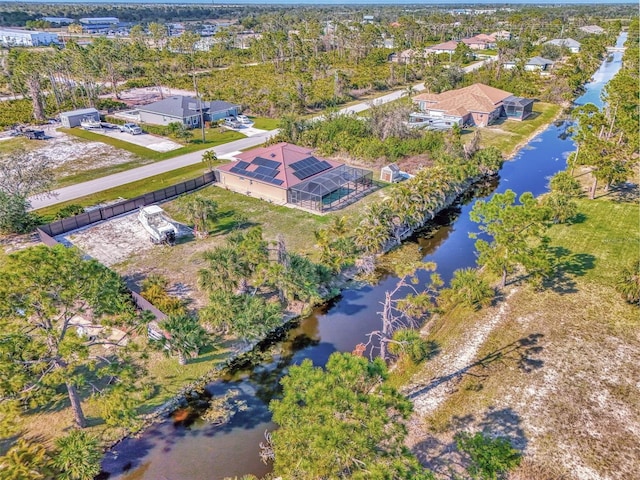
[508,135]
[559,375]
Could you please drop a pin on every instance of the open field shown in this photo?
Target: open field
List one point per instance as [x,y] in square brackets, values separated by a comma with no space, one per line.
[509,135]
[554,371]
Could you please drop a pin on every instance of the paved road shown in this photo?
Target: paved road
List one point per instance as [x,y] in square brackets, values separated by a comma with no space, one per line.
[99,184]
[82,189]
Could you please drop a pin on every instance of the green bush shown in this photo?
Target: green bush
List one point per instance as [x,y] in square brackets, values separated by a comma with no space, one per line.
[491,458]
[69,211]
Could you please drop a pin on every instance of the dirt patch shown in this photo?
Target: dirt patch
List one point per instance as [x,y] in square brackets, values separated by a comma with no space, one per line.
[71,154]
[145,95]
[116,240]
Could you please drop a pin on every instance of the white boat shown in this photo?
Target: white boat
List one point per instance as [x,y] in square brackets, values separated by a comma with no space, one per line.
[156,222]
[90,123]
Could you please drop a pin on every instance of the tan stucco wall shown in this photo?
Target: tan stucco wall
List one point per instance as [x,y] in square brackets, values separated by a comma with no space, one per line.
[256,189]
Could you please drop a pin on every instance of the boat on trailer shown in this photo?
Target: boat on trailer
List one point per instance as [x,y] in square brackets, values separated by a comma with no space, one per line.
[157,224]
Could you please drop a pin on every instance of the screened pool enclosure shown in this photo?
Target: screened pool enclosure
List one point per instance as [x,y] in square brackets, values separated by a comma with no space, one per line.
[331,189]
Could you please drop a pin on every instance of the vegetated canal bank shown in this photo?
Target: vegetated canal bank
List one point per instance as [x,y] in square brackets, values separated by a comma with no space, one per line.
[191,449]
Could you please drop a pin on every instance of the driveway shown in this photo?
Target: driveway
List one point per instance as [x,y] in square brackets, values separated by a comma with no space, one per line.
[152,142]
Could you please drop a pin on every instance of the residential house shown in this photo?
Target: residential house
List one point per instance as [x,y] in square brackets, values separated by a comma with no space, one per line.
[534,64]
[501,35]
[286,173]
[406,56]
[186,110]
[480,42]
[592,29]
[477,104]
[570,43]
[446,47]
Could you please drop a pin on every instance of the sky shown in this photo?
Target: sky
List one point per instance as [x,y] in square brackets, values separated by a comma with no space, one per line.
[341,2]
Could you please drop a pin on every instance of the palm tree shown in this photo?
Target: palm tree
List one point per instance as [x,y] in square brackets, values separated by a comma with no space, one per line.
[200,211]
[408,343]
[185,337]
[27,459]
[628,283]
[469,288]
[224,272]
[78,456]
[210,158]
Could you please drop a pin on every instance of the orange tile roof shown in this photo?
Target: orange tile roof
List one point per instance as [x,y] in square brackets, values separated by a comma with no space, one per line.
[474,98]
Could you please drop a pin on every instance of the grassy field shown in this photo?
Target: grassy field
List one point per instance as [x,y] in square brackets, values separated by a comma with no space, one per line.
[554,371]
[264,123]
[509,135]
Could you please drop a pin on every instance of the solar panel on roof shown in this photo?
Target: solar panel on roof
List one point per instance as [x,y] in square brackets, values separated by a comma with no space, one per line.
[242,165]
[269,172]
[264,162]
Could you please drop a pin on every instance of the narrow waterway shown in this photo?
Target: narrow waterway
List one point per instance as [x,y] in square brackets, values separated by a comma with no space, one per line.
[194,450]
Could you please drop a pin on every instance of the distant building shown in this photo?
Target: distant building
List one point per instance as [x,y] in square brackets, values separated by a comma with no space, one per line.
[480,42]
[15,37]
[535,64]
[98,24]
[58,20]
[446,47]
[592,29]
[570,43]
[186,110]
[368,19]
[73,118]
[501,35]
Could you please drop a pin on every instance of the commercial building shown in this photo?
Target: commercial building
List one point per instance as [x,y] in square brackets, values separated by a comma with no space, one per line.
[15,37]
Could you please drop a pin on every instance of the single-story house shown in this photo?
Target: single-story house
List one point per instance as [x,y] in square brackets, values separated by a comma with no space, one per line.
[501,35]
[480,42]
[446,47]
[534,64]
[570,43]
[186,110]
[405,56]
[74,117]
[286,173]
[477,104]
[592,29]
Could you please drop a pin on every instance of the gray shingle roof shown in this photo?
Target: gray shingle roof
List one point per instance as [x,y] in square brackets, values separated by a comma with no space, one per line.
[540,61]
[181,106]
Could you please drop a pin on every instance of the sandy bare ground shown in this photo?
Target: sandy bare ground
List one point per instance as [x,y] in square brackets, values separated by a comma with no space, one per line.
[454,363]
[116,240]
[73,154]
[563,386]
[146,95]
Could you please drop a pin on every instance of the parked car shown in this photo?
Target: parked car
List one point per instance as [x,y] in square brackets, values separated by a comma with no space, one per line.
[232,122]
[243,119]
[131,128]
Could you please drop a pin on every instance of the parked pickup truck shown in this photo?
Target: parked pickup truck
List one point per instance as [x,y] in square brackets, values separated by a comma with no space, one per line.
[131,128]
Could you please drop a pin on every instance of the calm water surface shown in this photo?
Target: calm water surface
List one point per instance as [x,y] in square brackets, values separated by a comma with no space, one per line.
[194,450]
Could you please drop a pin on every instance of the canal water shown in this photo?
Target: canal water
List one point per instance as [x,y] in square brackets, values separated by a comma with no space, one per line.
[195,450]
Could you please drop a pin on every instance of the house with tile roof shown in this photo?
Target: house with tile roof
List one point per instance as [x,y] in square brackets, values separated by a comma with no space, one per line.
[186,110]
[446,47]
[480,42]
[477,104]
[289,174]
